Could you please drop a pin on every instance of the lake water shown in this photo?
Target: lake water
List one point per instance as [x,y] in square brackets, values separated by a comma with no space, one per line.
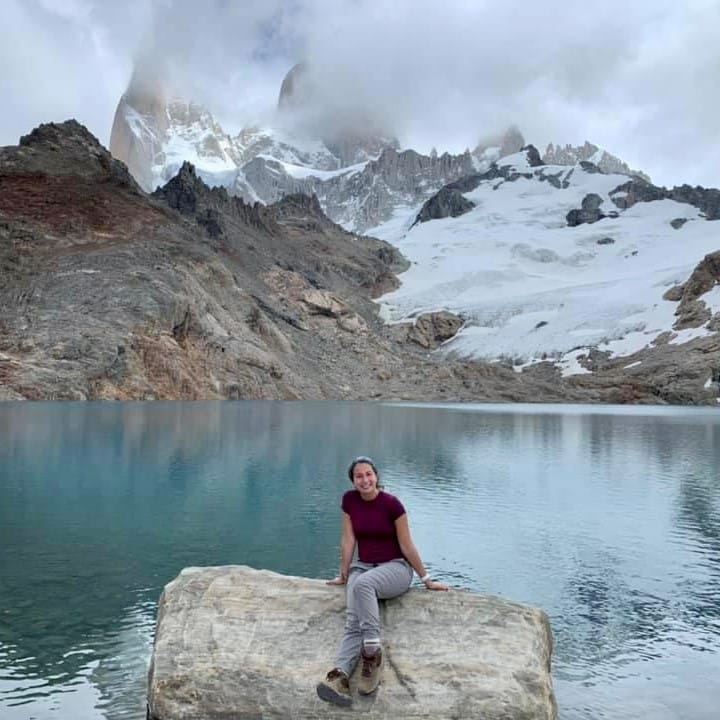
[608,518]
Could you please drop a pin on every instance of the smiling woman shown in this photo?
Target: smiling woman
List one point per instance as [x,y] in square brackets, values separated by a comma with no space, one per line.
[376,523]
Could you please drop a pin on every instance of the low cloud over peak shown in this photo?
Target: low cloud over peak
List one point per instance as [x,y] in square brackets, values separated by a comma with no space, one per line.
[637,79]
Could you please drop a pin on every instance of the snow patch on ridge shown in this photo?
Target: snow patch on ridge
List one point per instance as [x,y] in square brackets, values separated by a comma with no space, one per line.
[300,172]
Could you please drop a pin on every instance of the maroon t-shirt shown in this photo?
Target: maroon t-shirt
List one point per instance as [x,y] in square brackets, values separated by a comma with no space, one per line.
[373,522]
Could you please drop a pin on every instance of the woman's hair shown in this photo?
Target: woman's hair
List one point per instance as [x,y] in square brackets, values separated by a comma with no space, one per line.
[363,459]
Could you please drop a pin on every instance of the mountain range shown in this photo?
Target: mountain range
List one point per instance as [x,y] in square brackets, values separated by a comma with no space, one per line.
[314,260]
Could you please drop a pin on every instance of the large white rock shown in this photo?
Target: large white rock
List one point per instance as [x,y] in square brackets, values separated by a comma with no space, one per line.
[234,642]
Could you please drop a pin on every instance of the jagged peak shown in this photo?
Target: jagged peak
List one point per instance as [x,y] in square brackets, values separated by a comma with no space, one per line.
[186,187]
[69,148]
[573,154]
[58,135]
[187,193]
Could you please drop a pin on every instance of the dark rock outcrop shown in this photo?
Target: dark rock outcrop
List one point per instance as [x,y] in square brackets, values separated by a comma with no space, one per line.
[590,168]
[674,294]
[449,199]
[448,202]
[69,148]
[533,156]
[634,191]
[707,200]
[588,213]
[692,311]
[189,195]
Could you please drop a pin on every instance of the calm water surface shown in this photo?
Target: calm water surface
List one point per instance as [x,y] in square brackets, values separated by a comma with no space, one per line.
[608,518]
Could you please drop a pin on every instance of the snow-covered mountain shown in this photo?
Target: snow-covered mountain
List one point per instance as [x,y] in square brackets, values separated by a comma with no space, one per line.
[563,258]
[545,262]
[358,176]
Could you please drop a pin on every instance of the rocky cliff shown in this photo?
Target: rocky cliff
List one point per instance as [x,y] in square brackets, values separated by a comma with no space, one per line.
[242,643]
[139,127]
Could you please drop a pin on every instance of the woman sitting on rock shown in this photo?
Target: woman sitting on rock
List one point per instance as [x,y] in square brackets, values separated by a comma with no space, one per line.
[377,522]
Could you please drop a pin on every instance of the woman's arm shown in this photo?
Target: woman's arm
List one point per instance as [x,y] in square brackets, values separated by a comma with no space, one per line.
[411,554]
[347,548]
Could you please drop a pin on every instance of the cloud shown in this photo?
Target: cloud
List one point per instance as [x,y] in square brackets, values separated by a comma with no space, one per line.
[635,78]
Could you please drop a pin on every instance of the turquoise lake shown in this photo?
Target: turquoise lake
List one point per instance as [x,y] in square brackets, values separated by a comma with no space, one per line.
[608,518]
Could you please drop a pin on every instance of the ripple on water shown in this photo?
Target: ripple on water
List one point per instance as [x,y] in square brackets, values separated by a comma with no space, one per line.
[104,678]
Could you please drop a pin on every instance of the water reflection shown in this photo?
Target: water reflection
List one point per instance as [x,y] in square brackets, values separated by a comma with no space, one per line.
[610,520]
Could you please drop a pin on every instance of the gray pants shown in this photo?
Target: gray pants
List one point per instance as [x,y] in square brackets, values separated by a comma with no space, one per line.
[366,584]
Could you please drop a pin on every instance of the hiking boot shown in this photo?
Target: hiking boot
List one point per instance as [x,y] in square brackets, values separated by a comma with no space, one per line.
[335,688]
[370,673]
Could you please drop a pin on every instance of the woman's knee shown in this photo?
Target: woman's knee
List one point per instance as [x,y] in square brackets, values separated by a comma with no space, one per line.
[365,581]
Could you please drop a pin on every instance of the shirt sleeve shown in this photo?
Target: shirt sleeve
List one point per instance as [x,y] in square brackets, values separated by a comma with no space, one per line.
[345,503]
[397,509]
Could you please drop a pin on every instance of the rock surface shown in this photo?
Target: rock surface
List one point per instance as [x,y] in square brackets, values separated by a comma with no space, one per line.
[589,212]
[447,202]
[234,642]
[430,330]
[692,310]
[707,200]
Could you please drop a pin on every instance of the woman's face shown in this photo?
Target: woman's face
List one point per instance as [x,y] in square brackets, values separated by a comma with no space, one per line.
[364,478]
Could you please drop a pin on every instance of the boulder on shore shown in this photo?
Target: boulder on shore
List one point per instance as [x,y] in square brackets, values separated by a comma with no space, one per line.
[235,642]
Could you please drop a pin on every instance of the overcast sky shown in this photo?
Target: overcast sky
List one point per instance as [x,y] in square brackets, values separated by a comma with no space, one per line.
[637,78]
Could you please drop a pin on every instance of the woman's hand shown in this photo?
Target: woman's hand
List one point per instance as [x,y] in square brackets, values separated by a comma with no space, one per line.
[341,579]
[435,585]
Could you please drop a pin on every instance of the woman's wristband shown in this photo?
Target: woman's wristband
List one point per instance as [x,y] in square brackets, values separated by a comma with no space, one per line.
[425,578]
